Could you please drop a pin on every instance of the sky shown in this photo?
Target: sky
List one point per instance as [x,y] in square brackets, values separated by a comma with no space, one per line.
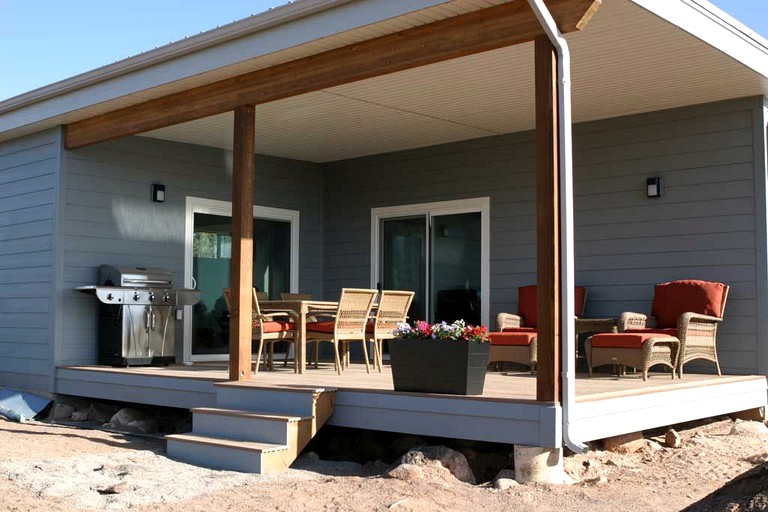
[43,41]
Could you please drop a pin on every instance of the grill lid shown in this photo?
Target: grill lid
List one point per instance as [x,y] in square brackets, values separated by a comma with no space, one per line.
[135,277]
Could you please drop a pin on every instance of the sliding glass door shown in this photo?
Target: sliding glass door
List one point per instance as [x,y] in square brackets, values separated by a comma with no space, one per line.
[209,256]
[439,251]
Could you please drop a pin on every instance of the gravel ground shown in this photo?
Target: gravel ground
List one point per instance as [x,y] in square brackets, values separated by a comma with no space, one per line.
[44,467]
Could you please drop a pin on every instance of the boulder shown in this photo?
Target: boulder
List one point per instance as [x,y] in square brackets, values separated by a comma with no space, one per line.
[452,460]
[406,472]
[505,479]
[80,416]
[749,428]
[626,443]
[673,439]
[61,411]
[125,417]
[402,445]
[101,413]
[149,426]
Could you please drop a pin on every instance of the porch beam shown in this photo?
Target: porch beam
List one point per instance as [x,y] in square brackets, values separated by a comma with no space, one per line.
[547,222]
[487,29]
[241,280]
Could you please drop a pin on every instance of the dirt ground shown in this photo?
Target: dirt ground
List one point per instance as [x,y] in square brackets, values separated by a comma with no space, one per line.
[44,467]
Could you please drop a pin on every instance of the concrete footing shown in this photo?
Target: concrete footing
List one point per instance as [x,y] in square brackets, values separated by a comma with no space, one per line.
[544,465]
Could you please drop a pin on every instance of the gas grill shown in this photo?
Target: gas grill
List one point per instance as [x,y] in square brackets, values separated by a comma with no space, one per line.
[137,315]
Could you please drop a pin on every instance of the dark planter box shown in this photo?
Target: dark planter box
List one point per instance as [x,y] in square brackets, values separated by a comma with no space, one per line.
[432,366]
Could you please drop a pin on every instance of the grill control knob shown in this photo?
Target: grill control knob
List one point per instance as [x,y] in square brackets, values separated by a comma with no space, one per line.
[166,298]
[151,296]
[110,296]
[136,296]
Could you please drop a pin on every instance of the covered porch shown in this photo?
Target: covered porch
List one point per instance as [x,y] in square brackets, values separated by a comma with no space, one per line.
[446,123]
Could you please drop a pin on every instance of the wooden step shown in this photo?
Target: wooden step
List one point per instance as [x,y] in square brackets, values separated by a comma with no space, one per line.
[250,425]
[249,396]
[245,456]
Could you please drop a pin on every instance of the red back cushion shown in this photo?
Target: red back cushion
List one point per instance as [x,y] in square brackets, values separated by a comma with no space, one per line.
[527,303]
[670,300]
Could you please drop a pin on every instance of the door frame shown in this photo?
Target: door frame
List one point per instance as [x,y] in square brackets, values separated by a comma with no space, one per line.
[480,205]
[224,208]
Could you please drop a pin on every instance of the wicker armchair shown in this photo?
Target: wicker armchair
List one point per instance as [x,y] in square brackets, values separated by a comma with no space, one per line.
[348,325]
[689,310]
[267,328]
[515,340]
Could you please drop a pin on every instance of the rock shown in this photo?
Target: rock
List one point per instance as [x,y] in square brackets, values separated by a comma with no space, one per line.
[406,472]
[124,417]
[61,411]
[452,460]
[402,445]
[505,479]
[673,439]
[114,489]
[626,443]
[145,426]
[749,428]
[652,446]
[101,412]
[79,416]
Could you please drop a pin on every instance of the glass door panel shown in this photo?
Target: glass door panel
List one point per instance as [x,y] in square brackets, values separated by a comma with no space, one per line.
[455,269]
[211,259]
[404,259]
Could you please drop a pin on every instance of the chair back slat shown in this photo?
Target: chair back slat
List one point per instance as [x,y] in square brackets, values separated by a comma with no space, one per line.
[352,315]
[393,309]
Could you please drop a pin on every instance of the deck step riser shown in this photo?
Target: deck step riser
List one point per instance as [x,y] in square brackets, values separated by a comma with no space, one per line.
[240,428]
[215,457]
[295,403]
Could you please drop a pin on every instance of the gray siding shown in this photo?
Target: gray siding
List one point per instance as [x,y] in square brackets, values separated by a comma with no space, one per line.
[29,170]
[110,218]
[704,227]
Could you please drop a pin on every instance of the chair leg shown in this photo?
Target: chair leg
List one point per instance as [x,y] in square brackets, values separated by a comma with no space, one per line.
[717,365]
[316,353]
[365,356]
[338,359]
[271,362]
[258,356]
[287,353]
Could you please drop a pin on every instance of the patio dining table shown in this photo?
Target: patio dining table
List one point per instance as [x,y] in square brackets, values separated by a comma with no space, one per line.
[302,309]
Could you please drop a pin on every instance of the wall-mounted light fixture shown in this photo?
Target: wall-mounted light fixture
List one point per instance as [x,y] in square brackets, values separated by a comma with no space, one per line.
[158,193]
[654,186]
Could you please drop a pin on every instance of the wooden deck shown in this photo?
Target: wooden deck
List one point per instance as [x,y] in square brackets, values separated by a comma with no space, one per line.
[499,386]
[506,412]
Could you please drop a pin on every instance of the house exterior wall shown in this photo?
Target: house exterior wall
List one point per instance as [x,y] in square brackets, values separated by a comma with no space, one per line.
[109,218]
[704,226]
[29,174]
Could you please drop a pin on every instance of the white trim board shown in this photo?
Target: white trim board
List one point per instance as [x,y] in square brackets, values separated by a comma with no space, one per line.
[224,208]
[480,205]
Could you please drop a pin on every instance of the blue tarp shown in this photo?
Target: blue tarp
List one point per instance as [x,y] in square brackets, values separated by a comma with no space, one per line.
[20,406]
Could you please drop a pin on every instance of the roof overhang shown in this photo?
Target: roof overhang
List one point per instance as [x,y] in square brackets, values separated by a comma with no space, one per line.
[636,56]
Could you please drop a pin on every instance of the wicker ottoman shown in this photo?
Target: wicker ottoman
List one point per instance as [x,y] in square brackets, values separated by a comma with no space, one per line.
[640,350]
[513,347]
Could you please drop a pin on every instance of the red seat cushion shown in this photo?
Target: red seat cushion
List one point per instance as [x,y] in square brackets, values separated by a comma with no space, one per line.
[369,327]
[622,340]
[275,326]
[519,339]
[321,326]
[518,329]
[670,300]
[668,332]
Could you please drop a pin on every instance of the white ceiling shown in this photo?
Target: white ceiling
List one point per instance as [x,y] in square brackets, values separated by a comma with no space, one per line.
[626,61]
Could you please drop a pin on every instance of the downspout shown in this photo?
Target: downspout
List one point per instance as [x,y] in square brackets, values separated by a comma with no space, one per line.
[567,279]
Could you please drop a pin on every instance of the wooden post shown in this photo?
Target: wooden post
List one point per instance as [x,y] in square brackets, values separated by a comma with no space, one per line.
[241,280]
[547,222]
